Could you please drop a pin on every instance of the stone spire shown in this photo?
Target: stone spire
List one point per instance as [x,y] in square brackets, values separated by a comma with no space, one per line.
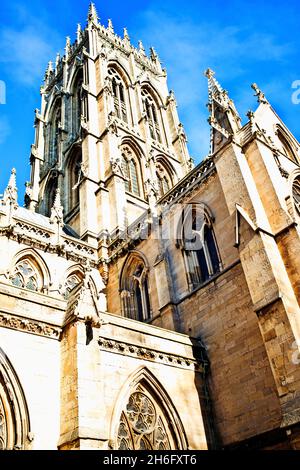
[11,191]
[92,14]
[259,94]
[224,119]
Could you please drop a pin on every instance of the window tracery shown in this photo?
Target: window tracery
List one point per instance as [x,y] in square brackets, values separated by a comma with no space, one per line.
[152,116]
[118,92]
[199,246]
[25,275]
[135,290]
[143,424]
[130,170]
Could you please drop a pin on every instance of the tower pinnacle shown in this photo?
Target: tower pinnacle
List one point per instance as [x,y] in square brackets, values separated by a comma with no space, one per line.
[92,13]
[224,119]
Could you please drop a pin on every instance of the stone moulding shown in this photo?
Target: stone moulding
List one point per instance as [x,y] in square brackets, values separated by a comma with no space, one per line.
[29,326]
[144,353]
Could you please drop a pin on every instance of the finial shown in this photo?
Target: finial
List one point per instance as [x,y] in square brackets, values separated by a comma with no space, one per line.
[250,115]
[11,191]
[92,13]
[57,60]
[153,54]
[110,26]
[209,73]
[126,35]
[57,209]
[141,48]
[78,33]
[259,94]
[68,46]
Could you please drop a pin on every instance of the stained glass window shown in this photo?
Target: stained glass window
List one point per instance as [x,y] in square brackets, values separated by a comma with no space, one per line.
[143,424]
[25,275]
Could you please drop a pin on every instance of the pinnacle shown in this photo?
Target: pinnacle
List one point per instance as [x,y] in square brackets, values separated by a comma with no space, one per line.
[92,13]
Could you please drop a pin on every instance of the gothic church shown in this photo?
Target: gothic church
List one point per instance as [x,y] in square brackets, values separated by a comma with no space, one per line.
[146,303]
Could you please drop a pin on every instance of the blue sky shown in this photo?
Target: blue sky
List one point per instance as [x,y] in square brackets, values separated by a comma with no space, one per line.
[244,42]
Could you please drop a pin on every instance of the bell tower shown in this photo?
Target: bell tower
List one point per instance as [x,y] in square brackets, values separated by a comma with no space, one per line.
[107,135]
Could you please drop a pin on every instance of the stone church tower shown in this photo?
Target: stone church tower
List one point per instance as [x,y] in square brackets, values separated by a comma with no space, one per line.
[147,303]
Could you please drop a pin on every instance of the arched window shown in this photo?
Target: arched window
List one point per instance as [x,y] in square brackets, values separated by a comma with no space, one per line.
[145,423]
[118,91]
[135,290]
[77,103]
[14,416]
[199,246]
[49,197]
[54,134]
[152,115]
[74,172]
[72,281]
[164,179]
[287,147]
[26,275]
[130,169]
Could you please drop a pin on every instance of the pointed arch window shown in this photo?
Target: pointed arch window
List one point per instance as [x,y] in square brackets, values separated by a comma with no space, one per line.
[54,134]
[25,275]
[14,416]
[152,116]
[286,146]
[163,178]
[130,171]
[135,290]
[72,282]
[144,424]
[77,103]
[74,178]
[199,247]
[118,92]
[50,193]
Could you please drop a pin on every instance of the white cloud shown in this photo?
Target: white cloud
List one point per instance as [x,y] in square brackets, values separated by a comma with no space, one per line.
[26,48]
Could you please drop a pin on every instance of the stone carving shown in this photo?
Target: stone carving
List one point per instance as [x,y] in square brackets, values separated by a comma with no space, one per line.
[31,326]
[149,354]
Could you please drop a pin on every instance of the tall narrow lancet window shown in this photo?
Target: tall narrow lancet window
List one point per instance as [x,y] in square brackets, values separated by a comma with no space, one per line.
[118,91]
[135,289]
[163,178]
[77,103]
[131,171]
[74,179]
[199,246]
[54,135]
[151,111]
